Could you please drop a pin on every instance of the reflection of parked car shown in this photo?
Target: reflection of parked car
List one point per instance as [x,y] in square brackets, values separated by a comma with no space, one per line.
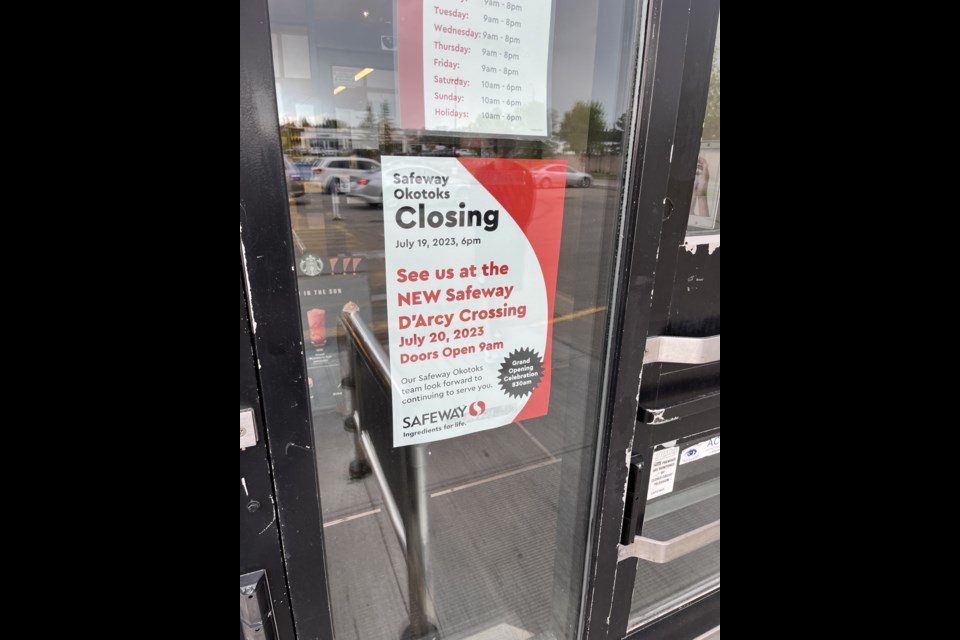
[368,187]
[304,167]
[295,188]
[555,175]
[336,171]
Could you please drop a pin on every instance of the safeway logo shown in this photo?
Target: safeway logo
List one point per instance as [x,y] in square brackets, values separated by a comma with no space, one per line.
[477,408]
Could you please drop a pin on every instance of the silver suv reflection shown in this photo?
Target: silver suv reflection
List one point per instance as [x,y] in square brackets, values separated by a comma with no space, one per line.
[333,173]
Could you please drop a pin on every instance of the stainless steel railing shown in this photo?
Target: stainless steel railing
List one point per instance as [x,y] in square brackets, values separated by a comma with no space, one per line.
[407,506]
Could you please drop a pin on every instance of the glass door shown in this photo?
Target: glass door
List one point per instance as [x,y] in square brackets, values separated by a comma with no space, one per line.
[455,178]
[669,570]
[453,215]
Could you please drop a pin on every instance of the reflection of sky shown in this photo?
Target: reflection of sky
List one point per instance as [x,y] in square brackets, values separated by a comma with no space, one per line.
[310,37]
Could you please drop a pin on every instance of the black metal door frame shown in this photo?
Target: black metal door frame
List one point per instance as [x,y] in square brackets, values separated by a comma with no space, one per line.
[668,118]
[267,257]
[674,82]
[259,538]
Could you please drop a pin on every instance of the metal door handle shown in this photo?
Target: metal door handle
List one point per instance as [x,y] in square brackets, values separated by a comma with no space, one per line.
[682,350]
[661,551]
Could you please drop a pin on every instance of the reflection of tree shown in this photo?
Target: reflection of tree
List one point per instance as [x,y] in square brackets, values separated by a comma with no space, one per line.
[369,122]
[711,122]
[584,128]
[291,137]
[617,134]
[299,136]
[382,131]
[386,128]
[620,126]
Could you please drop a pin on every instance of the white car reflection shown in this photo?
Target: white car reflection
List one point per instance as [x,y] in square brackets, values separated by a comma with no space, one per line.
[367,187]
[558,175]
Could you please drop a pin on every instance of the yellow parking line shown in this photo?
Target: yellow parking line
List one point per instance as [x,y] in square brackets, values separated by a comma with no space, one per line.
[579,314]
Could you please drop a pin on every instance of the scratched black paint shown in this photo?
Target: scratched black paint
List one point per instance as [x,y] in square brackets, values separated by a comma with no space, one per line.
[259,537]
[680,48]
[265,237]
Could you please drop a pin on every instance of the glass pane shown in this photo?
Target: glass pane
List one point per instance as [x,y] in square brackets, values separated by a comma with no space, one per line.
[705,206]
[527,99]
[693,502]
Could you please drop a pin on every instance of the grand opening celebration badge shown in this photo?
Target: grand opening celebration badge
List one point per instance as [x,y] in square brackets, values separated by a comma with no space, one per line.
[471,250]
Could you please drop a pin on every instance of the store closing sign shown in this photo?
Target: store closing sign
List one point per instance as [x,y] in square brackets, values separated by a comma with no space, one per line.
[471,257]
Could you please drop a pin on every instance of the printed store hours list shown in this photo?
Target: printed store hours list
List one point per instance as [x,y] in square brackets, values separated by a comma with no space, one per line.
[474,65]
[471,250]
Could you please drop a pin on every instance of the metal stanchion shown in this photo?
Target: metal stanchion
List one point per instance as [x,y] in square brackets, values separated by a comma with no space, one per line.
[416,523]
[409,516]
[359,466]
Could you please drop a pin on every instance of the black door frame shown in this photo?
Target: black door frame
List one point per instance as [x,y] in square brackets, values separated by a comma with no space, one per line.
[259,538]
[675,75]
[668,119]
[267,255]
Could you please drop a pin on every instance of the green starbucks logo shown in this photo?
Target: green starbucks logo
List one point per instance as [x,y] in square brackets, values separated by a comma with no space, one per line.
[311,264]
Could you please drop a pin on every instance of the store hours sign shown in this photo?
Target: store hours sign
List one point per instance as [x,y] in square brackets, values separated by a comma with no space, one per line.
[471,259]
[476,66]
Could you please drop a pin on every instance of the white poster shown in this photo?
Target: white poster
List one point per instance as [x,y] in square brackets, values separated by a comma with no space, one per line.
[471,248]
[478,66]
